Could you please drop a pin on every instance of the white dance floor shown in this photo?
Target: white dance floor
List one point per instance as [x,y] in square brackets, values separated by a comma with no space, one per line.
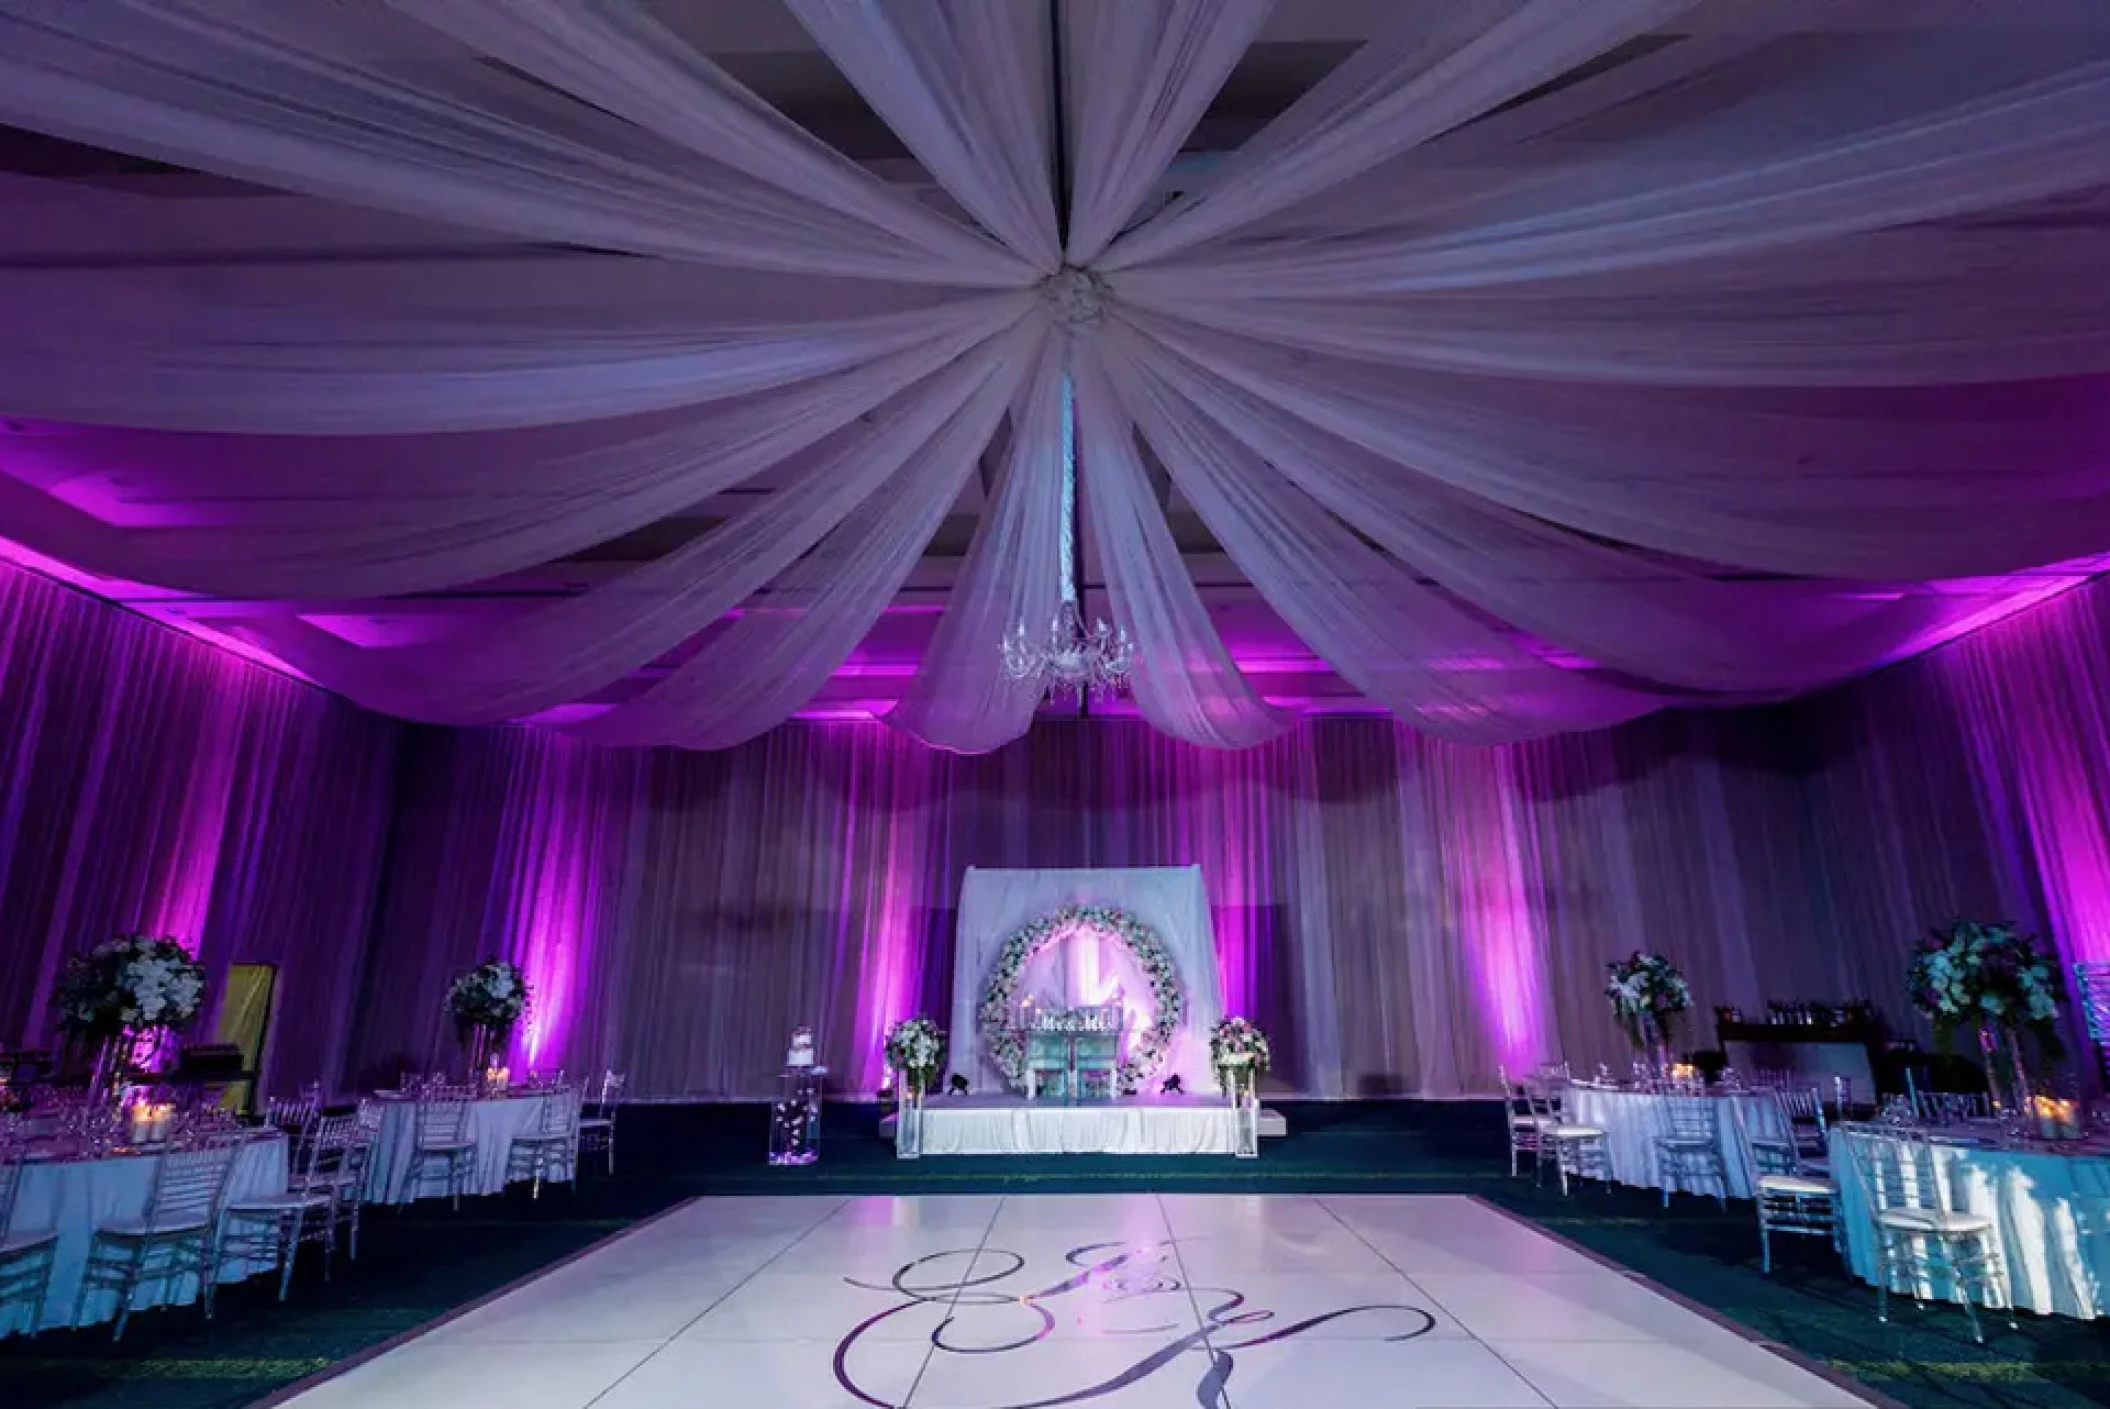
[1132,1301]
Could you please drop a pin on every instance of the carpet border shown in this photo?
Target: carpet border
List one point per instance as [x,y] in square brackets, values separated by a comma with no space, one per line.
[1858,1388]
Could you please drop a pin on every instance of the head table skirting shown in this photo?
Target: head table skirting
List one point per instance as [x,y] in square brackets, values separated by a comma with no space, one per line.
[494,1122]
[77,1196]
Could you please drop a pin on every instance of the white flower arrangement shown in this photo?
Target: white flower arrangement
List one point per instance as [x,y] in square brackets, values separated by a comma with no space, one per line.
[1977,974]
[134,983]
[1239,1053]
[1169,1003]
[915,1047]
[491,996]
[1647,994]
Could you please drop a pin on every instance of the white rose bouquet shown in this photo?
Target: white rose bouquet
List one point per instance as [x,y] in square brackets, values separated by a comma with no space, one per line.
[1239,1052]
[488,998]
[1647,994]
[134,983]
[915,1047]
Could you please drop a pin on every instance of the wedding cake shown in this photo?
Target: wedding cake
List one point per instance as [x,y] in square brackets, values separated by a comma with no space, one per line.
[801,1054]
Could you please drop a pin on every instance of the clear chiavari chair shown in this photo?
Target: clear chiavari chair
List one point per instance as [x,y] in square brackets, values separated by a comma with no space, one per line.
[1792,1198]
[27,1254]
[173,1238]
[270,1228]
[1689,1146]
[1951,1107]
[597,1129]
[1579,1150]
[1806,1125]
[441,1138]
[1917,1234]
[550,1151]
[1525,1126]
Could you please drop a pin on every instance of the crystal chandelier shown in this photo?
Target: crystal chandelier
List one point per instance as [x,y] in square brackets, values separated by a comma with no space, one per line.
[1067,661]
[1070,662]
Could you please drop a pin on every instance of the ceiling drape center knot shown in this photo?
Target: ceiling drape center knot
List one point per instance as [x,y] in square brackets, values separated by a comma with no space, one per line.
[1076,296]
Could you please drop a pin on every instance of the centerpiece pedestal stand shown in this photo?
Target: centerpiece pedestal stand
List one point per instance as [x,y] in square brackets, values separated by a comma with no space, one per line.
[908,1120]
[1242,1089]
[795,1116]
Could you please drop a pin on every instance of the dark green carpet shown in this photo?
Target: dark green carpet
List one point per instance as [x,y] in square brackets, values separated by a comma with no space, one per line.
[420,1263]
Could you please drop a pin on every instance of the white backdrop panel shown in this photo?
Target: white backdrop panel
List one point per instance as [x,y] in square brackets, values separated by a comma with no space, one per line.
[1169,899]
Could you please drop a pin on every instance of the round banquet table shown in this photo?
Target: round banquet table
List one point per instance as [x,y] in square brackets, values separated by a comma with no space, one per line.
[1632,1120]
[76,1196]
[2050,1208]
[493,1123]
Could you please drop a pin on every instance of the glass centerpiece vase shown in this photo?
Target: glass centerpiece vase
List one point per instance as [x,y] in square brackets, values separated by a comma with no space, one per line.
[2007,1076]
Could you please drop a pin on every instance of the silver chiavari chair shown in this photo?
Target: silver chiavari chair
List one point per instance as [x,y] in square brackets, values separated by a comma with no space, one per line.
[441,1138]
[1525,1126]
[1792,1198]
[1917,1234]
[270,1228]
[1951,1107]
[1579,1151]
[27,1254]
[597,1130]
[550,1151]
[1689,1146]
[173,1238]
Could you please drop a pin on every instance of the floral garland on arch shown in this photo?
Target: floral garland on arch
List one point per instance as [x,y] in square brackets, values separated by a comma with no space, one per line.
[1169,1003]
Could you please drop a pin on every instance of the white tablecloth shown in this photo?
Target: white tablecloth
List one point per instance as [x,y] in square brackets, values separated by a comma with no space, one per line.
[76,1196]
[1159,1127]
[493,1122]
[1170,899]
[2051,1212]
[1632,1121]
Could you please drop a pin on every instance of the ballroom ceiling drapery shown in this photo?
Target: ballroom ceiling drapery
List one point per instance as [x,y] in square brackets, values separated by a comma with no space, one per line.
[1540,364]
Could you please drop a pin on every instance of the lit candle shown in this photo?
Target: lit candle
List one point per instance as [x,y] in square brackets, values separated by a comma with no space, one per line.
[148,1124]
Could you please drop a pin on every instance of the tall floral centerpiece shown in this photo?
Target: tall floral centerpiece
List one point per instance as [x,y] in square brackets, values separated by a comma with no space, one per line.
[2002,983]
[1239,1054]
[125,989]
[1648,993]
[485,1003]
[915,1047]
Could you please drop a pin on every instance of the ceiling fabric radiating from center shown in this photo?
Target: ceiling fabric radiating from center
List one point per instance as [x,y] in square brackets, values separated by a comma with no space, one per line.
[1543,364]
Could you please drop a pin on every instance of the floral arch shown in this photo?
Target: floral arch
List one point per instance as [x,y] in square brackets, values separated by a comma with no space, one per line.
[1168,1001]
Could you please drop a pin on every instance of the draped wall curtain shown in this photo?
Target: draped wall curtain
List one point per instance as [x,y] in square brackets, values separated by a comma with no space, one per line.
[151,782]
[1402,916]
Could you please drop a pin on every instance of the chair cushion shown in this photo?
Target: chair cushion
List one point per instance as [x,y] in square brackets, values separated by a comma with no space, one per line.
[26,1240]
[140,1228]
[289,1202]
[1575,1132]
[1793,1184]
[328,1179]
[1933,1220]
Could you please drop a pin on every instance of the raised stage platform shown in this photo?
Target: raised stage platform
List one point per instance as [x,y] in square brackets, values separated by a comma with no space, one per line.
[1143,1125]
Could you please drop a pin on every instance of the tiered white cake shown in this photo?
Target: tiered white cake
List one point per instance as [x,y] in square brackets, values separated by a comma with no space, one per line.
[801,1054]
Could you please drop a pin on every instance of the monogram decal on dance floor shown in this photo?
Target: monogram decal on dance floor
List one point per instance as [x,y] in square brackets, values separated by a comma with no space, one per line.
[987,1317]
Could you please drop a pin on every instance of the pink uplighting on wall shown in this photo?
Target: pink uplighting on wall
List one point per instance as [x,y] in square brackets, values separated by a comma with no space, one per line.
[1498,928]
